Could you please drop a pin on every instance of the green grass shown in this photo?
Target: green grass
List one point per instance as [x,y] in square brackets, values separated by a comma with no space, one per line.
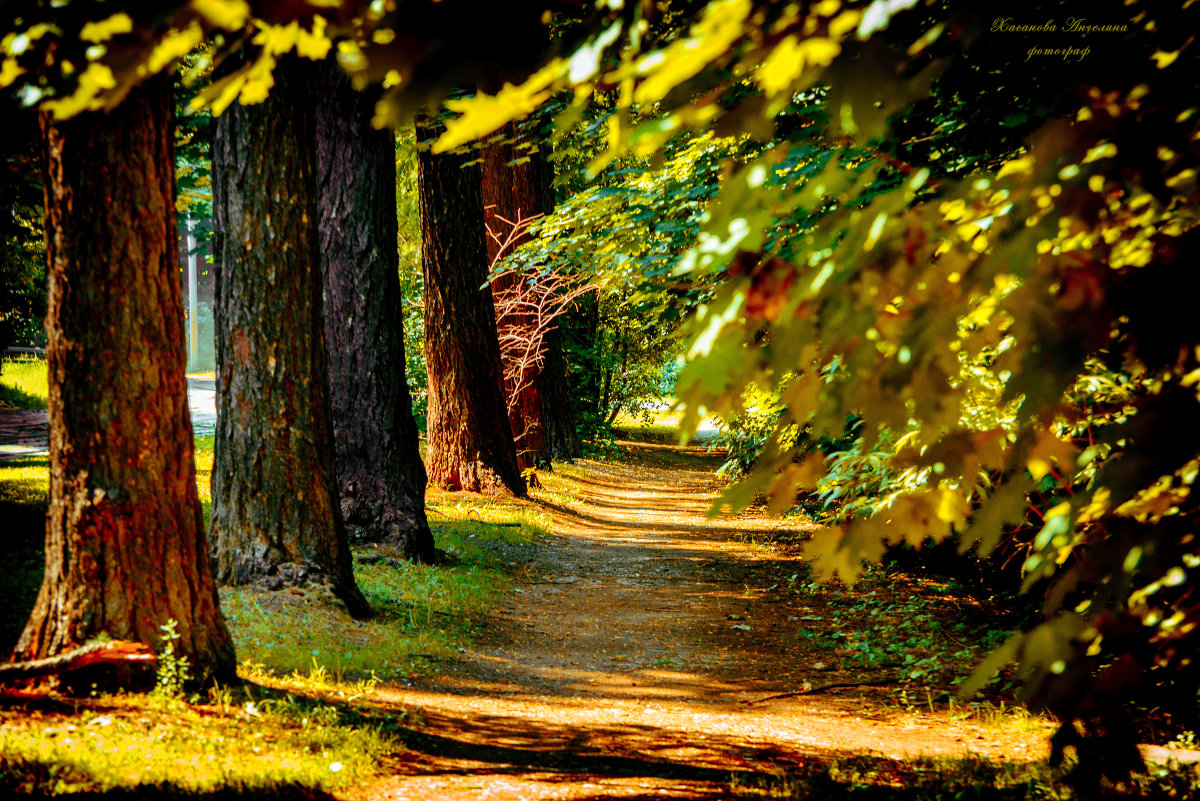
[304,662]
[254,740]
[23,384]
[423,614]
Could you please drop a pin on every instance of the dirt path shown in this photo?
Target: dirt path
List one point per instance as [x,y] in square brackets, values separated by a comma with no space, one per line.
[629,664]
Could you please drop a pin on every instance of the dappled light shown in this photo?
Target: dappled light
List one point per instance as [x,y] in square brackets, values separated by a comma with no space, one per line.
[604,398]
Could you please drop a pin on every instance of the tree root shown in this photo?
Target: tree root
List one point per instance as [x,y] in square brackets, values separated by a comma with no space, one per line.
[113,652]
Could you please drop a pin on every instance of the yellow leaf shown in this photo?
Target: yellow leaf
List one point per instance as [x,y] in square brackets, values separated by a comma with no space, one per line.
[227,14]
[1021,165]
[106,29]
[259,81]
[1162,60]
[953,507]
[776,73]
[483,113]
[843,23]
[10,70]
[1038,468]
[1104,150]
[723,23]
[314,45]
[278,39]
[94,80]
[175,44]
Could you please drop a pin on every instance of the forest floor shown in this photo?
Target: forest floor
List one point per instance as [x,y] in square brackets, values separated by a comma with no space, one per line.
[642,652]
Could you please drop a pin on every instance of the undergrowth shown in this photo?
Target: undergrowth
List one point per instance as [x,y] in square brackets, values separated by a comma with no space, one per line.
[970,779]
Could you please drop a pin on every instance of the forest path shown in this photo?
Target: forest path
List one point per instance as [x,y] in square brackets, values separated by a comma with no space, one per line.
[626,666]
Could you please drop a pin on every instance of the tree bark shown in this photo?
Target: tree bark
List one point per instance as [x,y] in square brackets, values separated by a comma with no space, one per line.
[276,515]
[558,418]
[381,480]
[125,544]
[470,438]
[518,183]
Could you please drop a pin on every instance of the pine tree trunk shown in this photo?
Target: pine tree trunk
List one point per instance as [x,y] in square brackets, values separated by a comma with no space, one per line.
[125,544]
[470,442]
[518,183]
[276,515]
[381,480]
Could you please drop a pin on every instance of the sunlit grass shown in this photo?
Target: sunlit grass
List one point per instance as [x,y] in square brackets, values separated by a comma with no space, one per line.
[23,384]
[657,425]
[303,656]
[263,746]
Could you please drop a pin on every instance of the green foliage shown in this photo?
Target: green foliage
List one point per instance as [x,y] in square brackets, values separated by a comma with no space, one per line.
[173,669]
[22,242]
[952,779]
[412,280]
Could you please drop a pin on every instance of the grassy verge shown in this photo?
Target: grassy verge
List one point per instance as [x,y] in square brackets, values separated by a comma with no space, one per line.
[23,384]
[274,746]
[296,726]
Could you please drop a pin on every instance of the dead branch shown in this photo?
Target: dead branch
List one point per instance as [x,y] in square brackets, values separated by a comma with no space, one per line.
[527,305]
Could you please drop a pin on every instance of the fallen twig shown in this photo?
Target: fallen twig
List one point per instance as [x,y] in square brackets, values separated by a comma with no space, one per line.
[814,690]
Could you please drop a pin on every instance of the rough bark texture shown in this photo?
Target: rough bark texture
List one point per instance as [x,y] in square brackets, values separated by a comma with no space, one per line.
[381,480]
[275,514]
[518,183]
[125,544]
[470,443]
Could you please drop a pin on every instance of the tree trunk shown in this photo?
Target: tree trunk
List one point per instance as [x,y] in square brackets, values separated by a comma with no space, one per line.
[470,438]
[561,438]
[275,514]
[518,183]
[381,480]
[125,544]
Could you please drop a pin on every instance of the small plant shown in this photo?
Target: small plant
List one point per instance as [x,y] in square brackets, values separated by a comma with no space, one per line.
[173,669]
[1183,741]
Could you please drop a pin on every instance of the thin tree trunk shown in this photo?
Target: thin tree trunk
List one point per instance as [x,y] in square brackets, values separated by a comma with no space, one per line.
[276,516]
[518,183]
[469,435]
[381,480]
[517,191]
[125,544]
[561,438]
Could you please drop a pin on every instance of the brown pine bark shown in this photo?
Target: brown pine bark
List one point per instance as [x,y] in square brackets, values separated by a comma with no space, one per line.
[276,516]
[125,544]
[518,183]
[470,443]
[381,480]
